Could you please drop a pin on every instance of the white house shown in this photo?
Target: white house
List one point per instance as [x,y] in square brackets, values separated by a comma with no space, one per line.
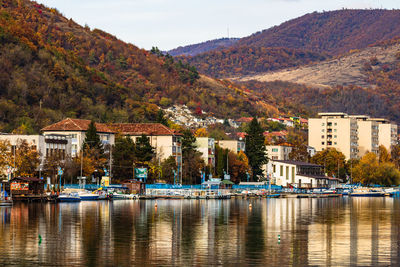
[298,174]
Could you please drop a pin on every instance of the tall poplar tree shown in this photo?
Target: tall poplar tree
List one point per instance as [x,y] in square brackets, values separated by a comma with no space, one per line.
[255,148]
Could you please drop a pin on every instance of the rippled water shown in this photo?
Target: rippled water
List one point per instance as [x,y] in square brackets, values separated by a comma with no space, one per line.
[342,231]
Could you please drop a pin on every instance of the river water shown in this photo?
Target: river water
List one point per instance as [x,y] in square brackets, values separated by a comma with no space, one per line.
[275,232]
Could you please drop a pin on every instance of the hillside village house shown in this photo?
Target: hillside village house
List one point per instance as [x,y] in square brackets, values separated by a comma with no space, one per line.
[297,174]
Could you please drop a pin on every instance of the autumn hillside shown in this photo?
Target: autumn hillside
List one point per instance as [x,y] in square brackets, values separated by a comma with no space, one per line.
[298,42]
[363,82]
[51,67]
[334,32]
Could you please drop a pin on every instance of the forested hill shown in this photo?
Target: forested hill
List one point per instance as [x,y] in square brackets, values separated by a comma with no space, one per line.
[195,49]
[310,38]
[51,67]
[334,32]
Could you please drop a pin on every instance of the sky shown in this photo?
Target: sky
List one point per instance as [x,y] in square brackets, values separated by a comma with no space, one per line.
[168,24]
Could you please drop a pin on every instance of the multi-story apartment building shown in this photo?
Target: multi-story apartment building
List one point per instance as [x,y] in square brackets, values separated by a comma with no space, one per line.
[387,133]
[368,134]
[206,146]
[352,135]
[232,145]
[334,130]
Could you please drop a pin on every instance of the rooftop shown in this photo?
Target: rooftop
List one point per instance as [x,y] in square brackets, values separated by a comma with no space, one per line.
[142,128]
[80,125]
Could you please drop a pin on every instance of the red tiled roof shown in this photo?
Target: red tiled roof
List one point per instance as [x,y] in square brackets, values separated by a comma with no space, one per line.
[303,120]
[69,124]
[142,128]
[123,128]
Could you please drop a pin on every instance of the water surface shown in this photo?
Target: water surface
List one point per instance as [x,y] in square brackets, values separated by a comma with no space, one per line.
[277,232]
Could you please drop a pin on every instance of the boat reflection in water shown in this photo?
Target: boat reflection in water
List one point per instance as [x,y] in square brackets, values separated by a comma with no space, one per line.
[321,231]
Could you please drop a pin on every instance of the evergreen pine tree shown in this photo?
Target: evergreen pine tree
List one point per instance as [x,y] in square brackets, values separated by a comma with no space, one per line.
[188,142]
[92,139]
[123,157]
[144,151]
[255,148]
[161,118]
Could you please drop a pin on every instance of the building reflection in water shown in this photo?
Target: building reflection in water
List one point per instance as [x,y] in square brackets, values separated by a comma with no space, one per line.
[342,231]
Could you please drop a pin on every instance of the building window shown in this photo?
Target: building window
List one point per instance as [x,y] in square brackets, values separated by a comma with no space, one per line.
[335,143]
[323,130]
[274,168]
[293,174]
[287,173]
[335,136]
[323,124]
[323,143]
[281,171]
[274,150]
[335,130]
[335,124]
[322,136]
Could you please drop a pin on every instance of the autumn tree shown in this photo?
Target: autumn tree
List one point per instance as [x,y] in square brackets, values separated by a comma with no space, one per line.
[255,148]
[27,159]
[238,166]
[395,155]
[333,161]
[370,171]
[384,155]
[201,132]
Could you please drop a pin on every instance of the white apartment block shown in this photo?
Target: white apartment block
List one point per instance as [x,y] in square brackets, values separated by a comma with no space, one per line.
[352,135]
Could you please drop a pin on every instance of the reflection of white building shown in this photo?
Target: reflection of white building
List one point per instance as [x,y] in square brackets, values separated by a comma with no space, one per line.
[206,146]
[298,174]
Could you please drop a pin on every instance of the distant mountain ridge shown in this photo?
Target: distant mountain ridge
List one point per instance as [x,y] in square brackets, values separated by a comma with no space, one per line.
[195,49]
[318,35]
